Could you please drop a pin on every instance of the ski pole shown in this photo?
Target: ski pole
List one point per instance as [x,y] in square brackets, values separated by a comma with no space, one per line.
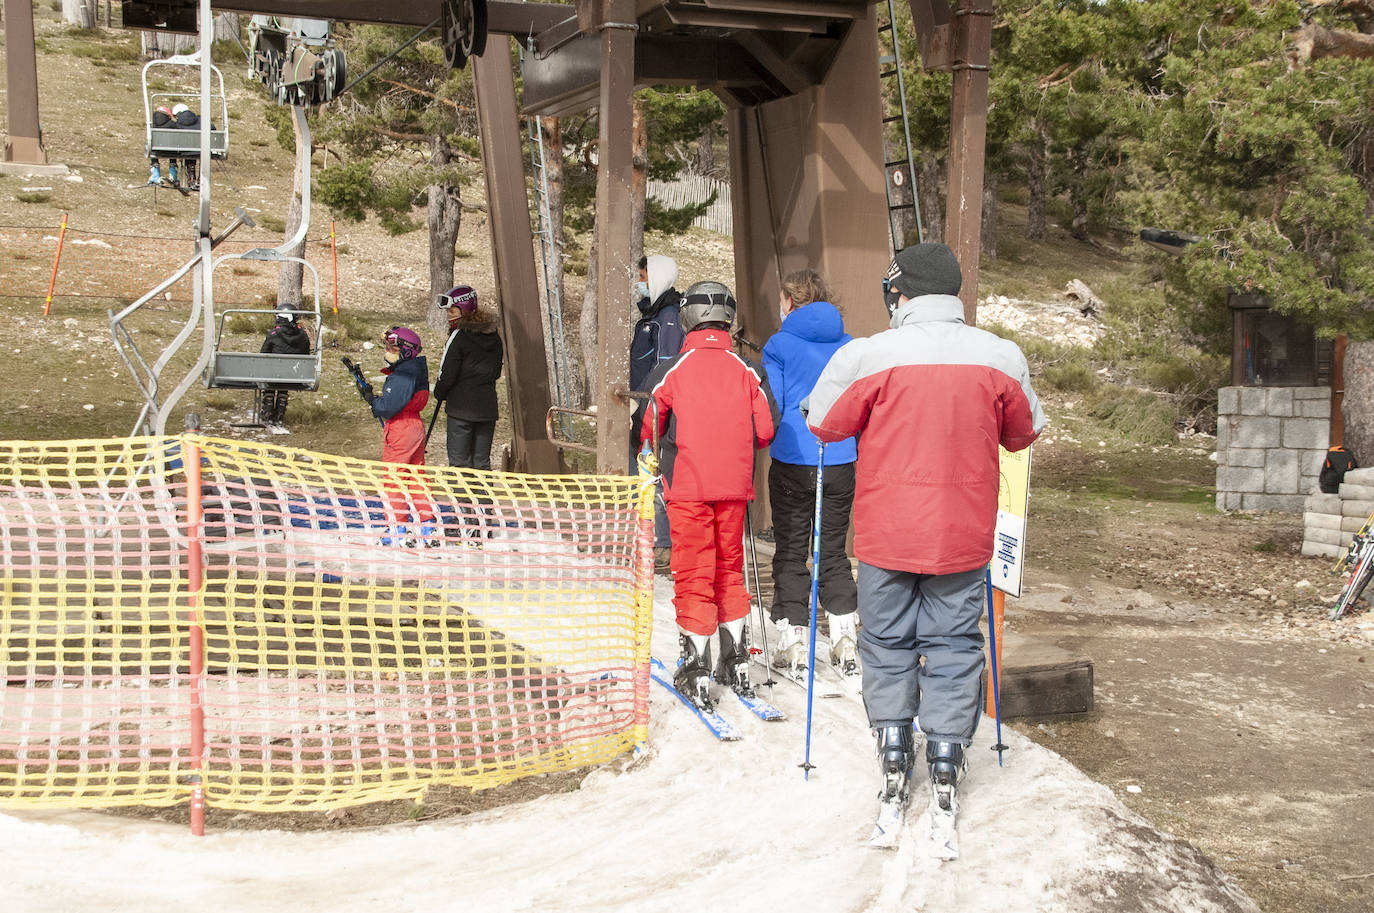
[432,419]
[815,599]
[756,597]
[996,689]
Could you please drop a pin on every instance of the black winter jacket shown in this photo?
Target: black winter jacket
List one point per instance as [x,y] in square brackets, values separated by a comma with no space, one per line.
[468,372]
[286,339]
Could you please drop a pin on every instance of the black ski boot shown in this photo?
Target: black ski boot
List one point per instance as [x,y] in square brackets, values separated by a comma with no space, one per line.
[693,676]
[897,754]
[947,767]
[733,668]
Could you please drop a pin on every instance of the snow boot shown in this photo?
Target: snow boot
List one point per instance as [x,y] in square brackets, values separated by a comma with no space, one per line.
[897,755]
[733,667]
[947,766]
[155,176]
[844,642]
[792,647]
[693,676]
[172,173]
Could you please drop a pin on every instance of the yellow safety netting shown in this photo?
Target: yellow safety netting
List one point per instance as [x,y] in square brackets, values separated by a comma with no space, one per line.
[368,629]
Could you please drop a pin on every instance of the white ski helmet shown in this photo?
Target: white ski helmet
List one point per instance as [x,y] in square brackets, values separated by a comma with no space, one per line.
[706,302]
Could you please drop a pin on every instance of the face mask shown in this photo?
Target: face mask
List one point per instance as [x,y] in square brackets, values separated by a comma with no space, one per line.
[642,289]
[391,357]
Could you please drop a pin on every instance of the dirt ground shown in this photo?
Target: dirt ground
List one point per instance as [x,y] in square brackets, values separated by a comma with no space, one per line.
[1228,710]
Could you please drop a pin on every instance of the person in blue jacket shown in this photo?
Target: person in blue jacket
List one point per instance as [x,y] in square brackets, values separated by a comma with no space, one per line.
[812,330]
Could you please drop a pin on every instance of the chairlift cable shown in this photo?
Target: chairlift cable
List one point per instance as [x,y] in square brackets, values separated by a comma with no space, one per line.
[408,42]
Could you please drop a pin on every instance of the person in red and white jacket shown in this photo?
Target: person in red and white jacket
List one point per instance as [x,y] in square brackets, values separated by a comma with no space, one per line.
[930,399]
[711,409]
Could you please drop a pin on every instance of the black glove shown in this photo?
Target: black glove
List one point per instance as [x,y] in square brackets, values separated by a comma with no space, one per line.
[364,388]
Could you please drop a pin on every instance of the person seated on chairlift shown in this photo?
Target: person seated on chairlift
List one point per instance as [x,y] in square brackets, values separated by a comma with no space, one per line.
[162,118]
[186,119]
[285,338]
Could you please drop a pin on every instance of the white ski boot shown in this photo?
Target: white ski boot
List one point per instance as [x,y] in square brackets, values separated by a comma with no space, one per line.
[844,642]
[792,647]
[948,764]
[693,676]
[732,669]
[897,756]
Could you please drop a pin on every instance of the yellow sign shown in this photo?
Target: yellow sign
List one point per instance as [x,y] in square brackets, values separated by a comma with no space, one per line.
[1013,498]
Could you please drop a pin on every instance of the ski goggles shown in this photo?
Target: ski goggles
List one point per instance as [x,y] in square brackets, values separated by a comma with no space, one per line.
[461,298]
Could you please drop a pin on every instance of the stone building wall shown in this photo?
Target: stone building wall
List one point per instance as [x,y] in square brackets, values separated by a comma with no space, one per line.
[1271,442]
[1330,521]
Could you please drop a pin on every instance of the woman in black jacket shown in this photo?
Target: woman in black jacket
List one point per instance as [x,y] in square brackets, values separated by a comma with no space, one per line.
[467,379]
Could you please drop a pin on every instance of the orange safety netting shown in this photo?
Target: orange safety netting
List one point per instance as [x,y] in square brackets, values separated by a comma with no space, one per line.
[352,653]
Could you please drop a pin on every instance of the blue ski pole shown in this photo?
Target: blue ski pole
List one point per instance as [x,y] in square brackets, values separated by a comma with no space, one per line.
[996,690]
[806,765]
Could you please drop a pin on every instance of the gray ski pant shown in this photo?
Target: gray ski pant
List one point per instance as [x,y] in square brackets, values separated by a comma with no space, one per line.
[904,617]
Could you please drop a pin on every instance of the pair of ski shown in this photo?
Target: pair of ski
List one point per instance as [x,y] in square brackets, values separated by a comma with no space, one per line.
[942,837]
[830,682]
[719,726]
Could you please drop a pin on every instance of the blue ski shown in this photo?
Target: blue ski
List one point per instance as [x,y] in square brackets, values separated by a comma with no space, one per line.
[761,708]
[720,727]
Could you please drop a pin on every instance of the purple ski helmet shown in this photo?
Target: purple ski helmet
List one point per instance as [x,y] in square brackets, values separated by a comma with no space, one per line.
[405,339]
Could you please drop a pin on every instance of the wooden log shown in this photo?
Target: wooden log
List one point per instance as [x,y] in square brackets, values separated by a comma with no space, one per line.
[1041,680]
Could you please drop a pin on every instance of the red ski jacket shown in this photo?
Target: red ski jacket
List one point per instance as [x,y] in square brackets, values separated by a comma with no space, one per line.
[714,410]
[930,399]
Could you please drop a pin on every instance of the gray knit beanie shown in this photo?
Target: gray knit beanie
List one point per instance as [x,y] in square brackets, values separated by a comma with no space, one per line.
[925,269]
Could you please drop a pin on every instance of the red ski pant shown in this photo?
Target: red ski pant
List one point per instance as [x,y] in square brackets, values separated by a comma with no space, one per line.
[708,563]
[403,446]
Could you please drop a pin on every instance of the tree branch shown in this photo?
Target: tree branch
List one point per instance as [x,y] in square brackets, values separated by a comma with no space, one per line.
[1055,79]
[425,92]
[402,137]
[1312,42]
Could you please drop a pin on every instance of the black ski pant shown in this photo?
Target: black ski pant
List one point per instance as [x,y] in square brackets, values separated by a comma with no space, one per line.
[469,443]
[792,496]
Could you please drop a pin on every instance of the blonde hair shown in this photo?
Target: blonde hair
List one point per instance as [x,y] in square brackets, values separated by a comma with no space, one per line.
[805,286]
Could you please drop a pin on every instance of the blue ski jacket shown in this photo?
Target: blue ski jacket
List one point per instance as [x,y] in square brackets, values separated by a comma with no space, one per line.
[794,357]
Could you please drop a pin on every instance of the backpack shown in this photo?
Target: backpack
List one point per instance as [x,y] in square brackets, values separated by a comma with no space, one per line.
[1337,463]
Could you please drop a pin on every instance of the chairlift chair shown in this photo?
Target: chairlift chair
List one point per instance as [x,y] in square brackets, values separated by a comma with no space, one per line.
[259,371]
[174,142]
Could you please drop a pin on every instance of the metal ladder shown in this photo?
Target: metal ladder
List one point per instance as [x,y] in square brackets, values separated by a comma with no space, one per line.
[901,169]
[553,300]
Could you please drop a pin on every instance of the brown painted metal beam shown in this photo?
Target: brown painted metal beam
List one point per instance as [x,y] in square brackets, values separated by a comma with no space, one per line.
[504,17]
[793,78]
[517,290]
[968,136]
[614,206]
[833,10]
[932,18]
[23,143]
[726,19]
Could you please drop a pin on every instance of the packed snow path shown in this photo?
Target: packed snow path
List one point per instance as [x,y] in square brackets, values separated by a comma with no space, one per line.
[691,824]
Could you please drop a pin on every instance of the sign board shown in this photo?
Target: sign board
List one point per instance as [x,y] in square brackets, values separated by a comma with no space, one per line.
[1009,543]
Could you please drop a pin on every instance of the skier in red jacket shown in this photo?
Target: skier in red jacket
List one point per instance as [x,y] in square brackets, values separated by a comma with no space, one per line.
[713,410]
[930,400]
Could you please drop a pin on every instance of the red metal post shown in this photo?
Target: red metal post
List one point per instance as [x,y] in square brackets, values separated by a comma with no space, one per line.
[52,283]
[334,252]
[195,577]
